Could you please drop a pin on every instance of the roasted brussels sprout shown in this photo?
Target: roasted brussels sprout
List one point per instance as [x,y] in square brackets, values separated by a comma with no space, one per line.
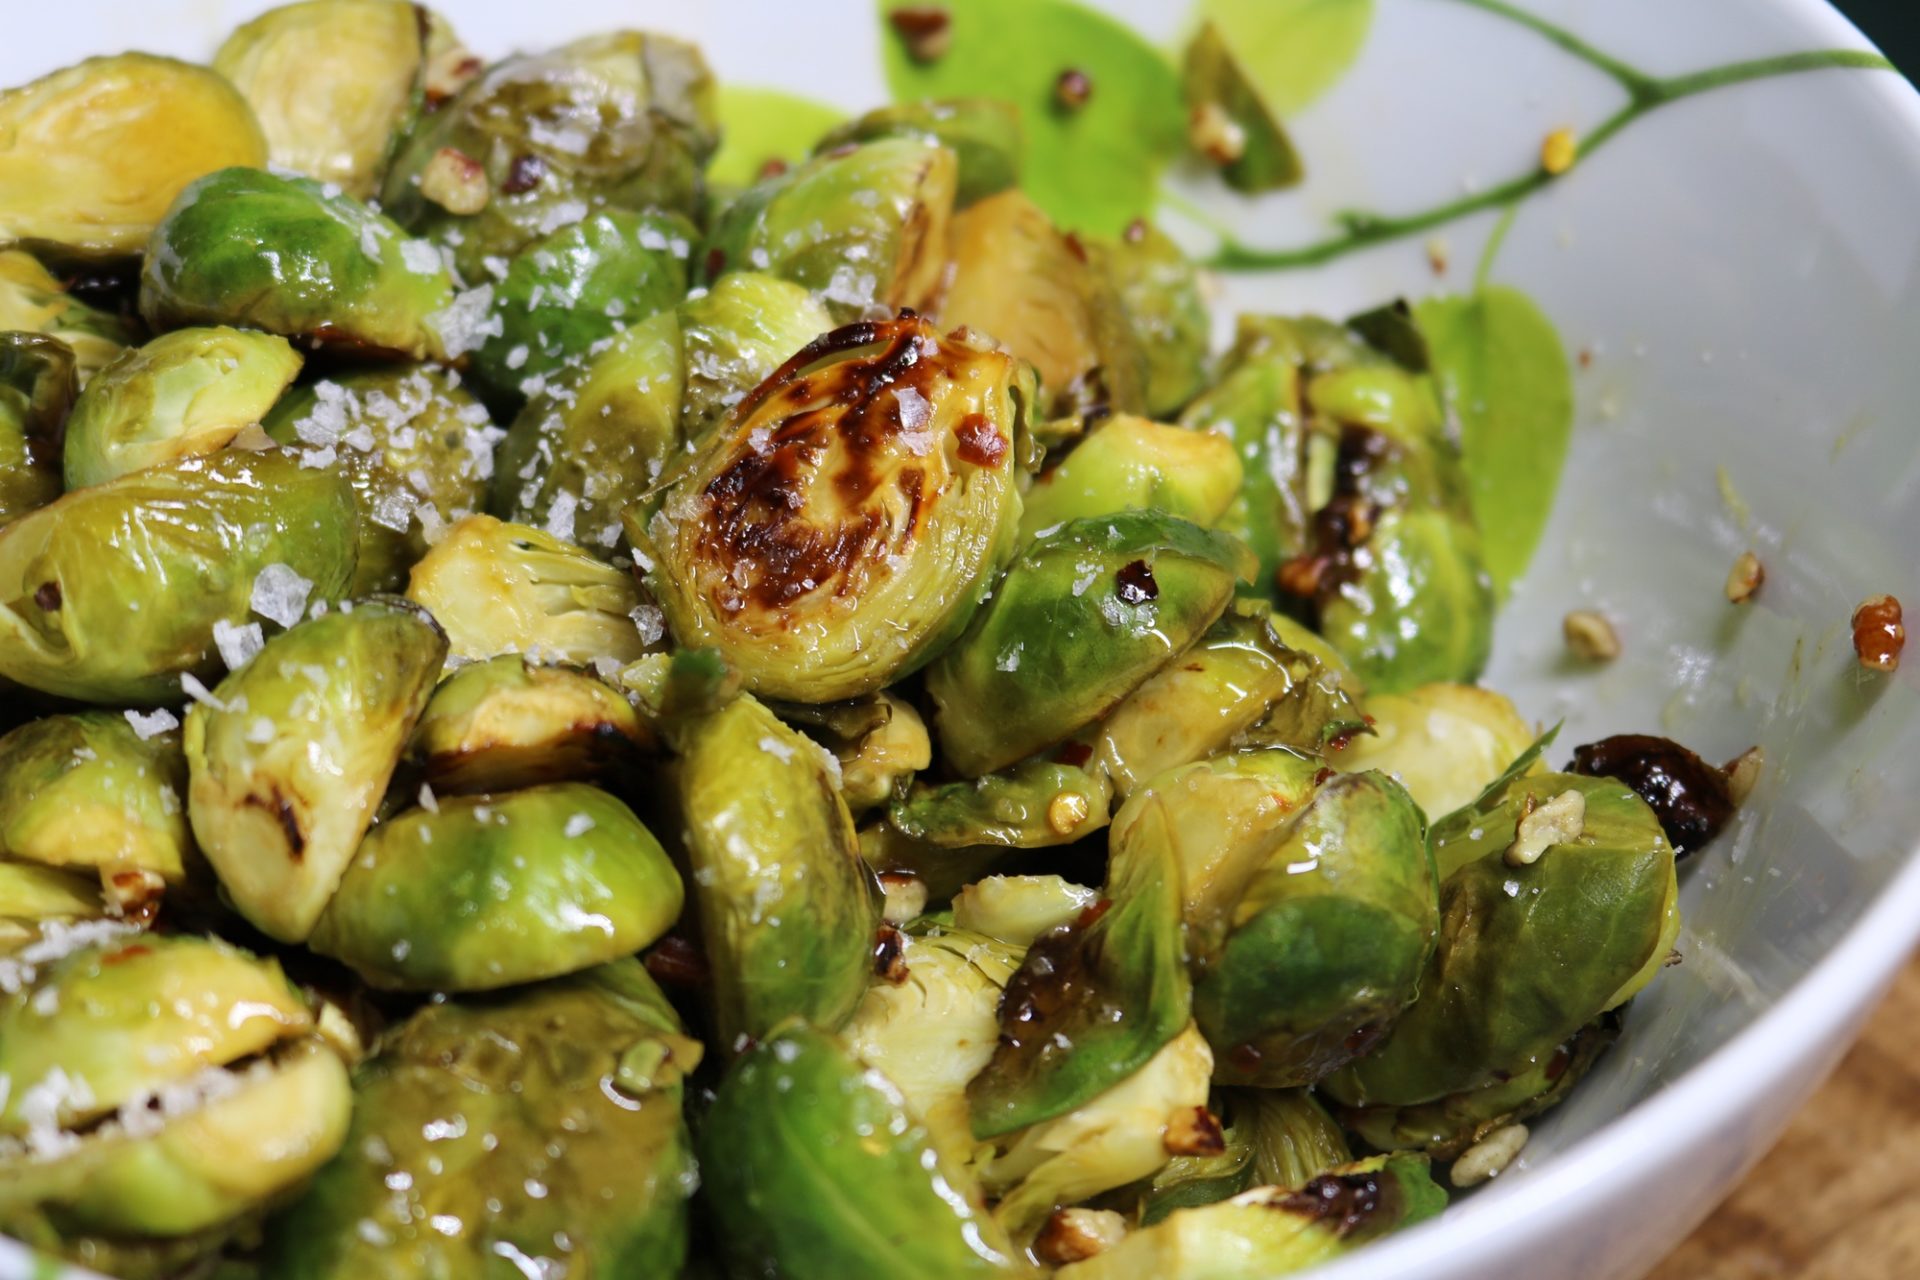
[112,593]
[185,393]
[1082,618]
[39,904]
[539,141]
[1446,743]
[1018,278]
[1230,125]
[1159,288]
[880,741]
[478,892]
[332,82]
[597,440]
[1031,806]
[848,519]
[861,227]
[815,1168]
[1128,463]
[983,134]
[91,156]
[413,442]
[786,907]
[1019,909]
[1272,1138]
[291,755]
[36,391]
[508,723]
[247,247]
[32,301]
[507,588]
[534,1130]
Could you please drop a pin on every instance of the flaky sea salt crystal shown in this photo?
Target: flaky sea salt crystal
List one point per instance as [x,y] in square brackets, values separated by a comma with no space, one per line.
[147,724]
[280,594]
[237,644]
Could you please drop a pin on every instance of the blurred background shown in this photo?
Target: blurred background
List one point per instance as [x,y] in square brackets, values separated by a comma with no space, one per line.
[1894,25]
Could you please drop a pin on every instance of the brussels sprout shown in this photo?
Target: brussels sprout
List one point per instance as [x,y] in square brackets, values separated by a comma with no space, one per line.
[1274,1138]
[1231,126]
[332,82]
[1127,463]
[846,522]
[1159,288]
[596,441]
[39,903]
[814,1167]
[91,156]
[1272,1231]
[786,906]
[508,723]
[87,791]
[983,133]
[185,393]
[1031,806]
[32,301]
[290,758]
[1016,277]
[940,871]
[1446,743]
[1019,909]
[568,292]
[880,741]
[111,594]
[415,445]
[535,1130]
[860,227]
[36,390]
[1082,618]
[247,247]
[507,588]
[1527,954]
[622,120]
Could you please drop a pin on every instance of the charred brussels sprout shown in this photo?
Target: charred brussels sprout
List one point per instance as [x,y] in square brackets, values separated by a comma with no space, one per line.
[247,247]
[1159,288]
[414,444]
[1018,278]
[1081,619]
[112,593]
[290,757]
[1129,463]
[539,141]
[479,892]
[537,1129]
[37,388]
[91,156]
[508,588]
[507,723]
[32,301]
[332,82]
[785,905]
[846,522]
[815,1168]
[185,393]
[860,227]
[983,134]
[1446,743]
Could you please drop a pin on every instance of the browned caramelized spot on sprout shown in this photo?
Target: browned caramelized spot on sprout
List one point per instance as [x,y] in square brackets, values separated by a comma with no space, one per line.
[1689,796]
[1134,583]
[890,955]
[1194,1131]
[980,444]
[1344,1203]
[287,816]
[524,174]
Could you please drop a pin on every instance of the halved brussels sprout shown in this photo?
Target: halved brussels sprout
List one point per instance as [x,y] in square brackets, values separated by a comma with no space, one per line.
[1230,124]
[37,388]
[532,1131]
[111,594]
[1030,806]
[332,82]
[983,133]
[1019,279]
[1446,743]
[185,393]
[37,902]
[1019,909]
[1127,463]
[478,892]
[1159,288]
[880,741]
[294,257]
[1081,619]
[32,301]
[1274,1138]
[624,119]
[861,227]
[567,293]
[290,758]
[91,156]
[786,907]
[1528,954]
[847,521]
[597,440]
[1272,1231]
[508,723]
[416,446]
[508,588]
[815,1170]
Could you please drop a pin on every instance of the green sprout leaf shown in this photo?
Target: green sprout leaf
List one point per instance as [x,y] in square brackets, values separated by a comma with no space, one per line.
[1292,50]
[758,125]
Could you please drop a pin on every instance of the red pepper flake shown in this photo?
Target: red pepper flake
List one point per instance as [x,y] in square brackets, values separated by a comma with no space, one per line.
[47,596]
[524,174]
[980,444]
[676,962]
[1136,231]
[1879,633]
[890,955]
[1074,753]
[716,262]
[772,168]
[1072,89]
[1136,584]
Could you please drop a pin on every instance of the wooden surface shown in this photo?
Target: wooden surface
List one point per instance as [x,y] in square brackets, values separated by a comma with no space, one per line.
[1839,1198]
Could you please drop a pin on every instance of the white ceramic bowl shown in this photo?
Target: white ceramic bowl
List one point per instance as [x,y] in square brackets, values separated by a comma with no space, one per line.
[1742,271]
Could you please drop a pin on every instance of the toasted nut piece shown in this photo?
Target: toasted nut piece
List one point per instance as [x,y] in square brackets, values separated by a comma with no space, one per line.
[1072,89]
[1439,254]
[1555,822]
[1067,810]
[927,31]
[1559,151]
[1194,1131]
[1744,579]
[1590,637]
[1878,633]
[455,181]
[1743,771]
[1488,1157]
[1215,135]
[906,896]
[1074,1235]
